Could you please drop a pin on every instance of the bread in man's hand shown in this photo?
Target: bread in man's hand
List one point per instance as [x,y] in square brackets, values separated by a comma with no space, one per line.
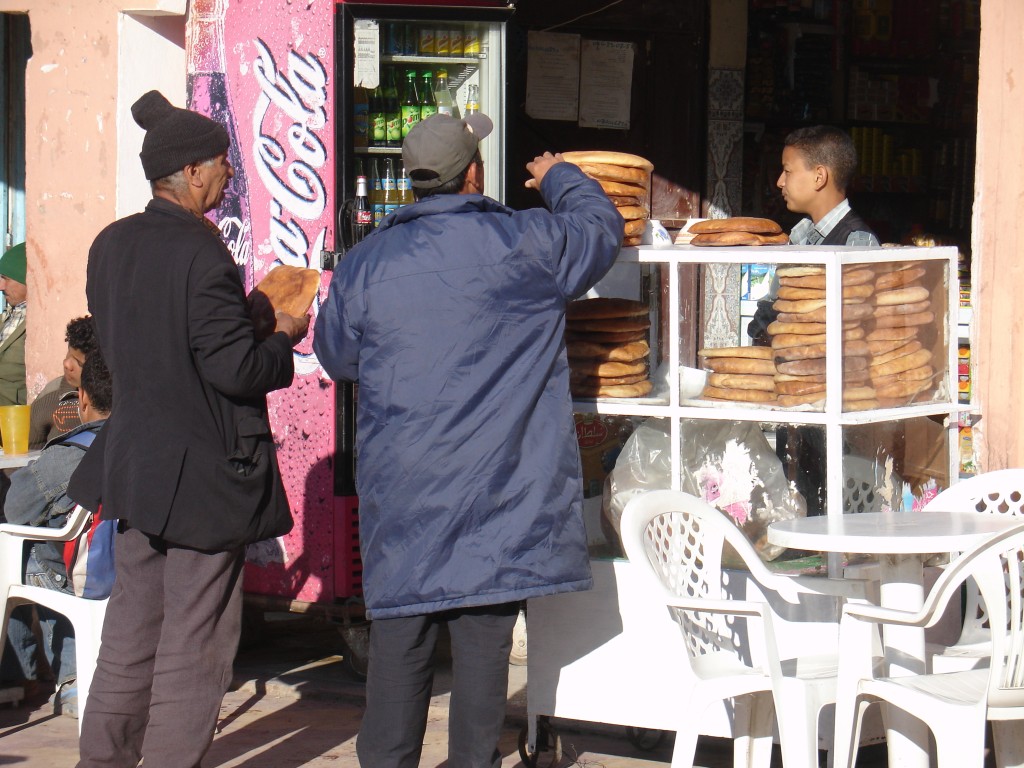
[605,157]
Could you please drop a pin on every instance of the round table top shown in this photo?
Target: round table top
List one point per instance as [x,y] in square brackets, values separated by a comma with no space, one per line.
[889,532]
[18,459]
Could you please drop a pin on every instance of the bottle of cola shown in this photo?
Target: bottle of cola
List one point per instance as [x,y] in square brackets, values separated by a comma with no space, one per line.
[362,214]
[207,92]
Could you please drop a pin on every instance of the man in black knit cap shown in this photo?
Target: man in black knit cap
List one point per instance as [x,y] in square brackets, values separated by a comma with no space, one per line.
[187,462]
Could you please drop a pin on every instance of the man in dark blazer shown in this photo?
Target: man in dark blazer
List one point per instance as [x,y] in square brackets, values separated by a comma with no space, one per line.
[187,462]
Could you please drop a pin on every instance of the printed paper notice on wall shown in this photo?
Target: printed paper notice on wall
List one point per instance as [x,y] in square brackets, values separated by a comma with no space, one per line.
[606,83]
[366,73]
[553,76]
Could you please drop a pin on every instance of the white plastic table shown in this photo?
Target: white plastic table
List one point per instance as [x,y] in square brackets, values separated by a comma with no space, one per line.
[17,460]
[902,540]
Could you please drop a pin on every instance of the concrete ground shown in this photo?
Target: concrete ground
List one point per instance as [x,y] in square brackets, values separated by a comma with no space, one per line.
[296,702]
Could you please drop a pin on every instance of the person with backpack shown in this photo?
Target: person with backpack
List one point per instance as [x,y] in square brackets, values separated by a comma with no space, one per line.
[37,496]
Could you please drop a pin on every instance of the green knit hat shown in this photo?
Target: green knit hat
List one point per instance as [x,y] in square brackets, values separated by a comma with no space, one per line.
[12,263]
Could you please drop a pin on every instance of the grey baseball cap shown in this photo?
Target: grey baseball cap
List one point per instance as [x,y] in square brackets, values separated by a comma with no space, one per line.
[439,148]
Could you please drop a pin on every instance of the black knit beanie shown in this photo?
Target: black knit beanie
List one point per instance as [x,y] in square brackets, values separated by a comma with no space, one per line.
[175,137]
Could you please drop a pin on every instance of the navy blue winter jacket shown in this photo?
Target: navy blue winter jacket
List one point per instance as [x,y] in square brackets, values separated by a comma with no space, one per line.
[451,318]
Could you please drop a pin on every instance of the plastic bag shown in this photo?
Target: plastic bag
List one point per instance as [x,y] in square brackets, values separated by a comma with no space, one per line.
[729,464]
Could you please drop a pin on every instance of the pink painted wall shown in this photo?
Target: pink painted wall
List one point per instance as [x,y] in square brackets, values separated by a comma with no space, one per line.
[264,69]
[998,279]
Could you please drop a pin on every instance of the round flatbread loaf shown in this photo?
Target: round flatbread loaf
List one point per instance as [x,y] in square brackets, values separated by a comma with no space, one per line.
[604,157]
[849,377]
[778,327]
[605,337]
[914,374]
[760,353]
[620,353]
[605,307]
[740,365]
[726,239]
[784,340]
[639,389]
[858,311]
[739,395]
[882,346]
[790,293]
[632,212]
[906,349]
[290,289]
[622,200]
[610,172]
[901,295]
[798,270]
[741,381]
[897,365]
[857,275]
[858,393]
[813,366]
[853,331]
[894,321]
[805,281]
[634,228]
[798,306]
[861,405]
[904,389]
[799,387]
[789,401]
[610,324]
[904,333]
[899,279]
[736,224]
[621,188]
[903,309]
[799,353]
[630,240]
[861,291]
[597,368]
[817,316]
[592,382]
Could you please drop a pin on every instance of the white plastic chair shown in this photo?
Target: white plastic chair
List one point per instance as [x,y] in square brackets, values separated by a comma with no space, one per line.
[86,616]
[954,705]
[681,539]
[991,493]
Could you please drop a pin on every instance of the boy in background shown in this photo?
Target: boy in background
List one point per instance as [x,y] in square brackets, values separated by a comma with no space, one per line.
[38,497]
[55,409]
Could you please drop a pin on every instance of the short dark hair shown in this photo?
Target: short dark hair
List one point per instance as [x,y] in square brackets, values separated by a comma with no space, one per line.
[828,146]
[81,335]
[452,187]
[97,382]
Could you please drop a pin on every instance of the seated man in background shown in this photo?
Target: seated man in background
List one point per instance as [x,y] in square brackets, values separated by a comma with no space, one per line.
[55,409]
[37,496]
[12,329]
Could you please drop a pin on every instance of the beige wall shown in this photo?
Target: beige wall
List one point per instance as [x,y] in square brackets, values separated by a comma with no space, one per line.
[72,151]
[998,239]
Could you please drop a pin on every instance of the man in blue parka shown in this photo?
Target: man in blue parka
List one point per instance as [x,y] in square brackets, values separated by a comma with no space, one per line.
[451,317]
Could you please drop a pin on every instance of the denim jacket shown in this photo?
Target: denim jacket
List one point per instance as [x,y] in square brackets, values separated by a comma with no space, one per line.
[38,495]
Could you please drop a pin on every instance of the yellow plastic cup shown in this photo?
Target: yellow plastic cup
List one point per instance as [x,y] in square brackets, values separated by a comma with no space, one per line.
[14,428]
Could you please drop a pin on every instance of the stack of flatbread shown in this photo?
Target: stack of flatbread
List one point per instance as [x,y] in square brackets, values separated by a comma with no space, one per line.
[901,367]
[737,230]
[740,374]
[798,336]
[608,351]
[626,179]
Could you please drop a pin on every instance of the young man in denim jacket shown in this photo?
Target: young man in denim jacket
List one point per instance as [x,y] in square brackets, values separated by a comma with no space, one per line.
[38,496]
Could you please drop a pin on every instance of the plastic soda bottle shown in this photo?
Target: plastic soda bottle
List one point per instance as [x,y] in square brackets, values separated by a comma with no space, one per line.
[377,129]
[377,196]
[360,117]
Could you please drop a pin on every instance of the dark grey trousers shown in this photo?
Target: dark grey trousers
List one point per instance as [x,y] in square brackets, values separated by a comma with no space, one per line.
[401,674]
[169,640]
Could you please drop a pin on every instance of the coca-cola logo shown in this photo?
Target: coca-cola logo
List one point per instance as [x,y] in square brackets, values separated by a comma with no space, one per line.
[291,171]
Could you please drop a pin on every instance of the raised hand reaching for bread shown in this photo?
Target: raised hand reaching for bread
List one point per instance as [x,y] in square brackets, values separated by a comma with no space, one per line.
[539,167]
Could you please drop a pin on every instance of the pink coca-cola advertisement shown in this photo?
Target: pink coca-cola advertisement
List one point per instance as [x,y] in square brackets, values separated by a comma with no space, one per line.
[263,68]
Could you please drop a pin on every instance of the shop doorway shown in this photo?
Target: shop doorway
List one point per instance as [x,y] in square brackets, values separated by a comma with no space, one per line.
[15,43]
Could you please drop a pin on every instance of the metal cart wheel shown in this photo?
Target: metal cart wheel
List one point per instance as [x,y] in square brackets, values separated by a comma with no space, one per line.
[548,752]
[645,739]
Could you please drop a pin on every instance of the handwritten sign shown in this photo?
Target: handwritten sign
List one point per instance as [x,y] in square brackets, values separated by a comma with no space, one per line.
[553,76]
[606,83]
[366,73]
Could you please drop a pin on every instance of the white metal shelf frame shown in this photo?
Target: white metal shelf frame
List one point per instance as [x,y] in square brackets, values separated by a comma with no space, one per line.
[833,419]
